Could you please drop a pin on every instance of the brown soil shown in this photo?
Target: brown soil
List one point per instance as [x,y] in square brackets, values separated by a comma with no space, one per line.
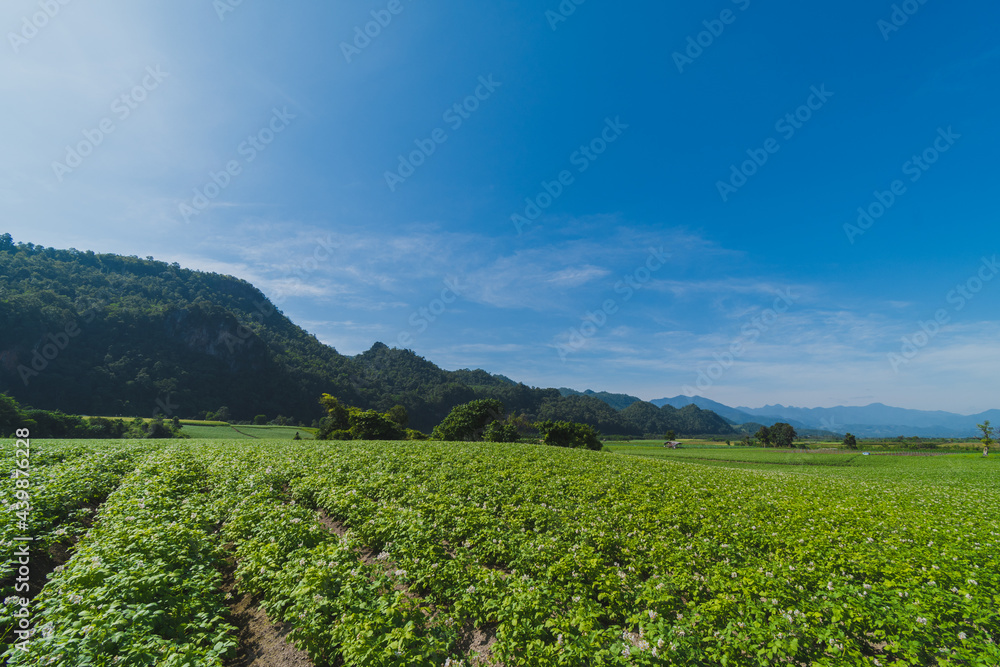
[44,564]
[333,526]
[261,642]
[479,643]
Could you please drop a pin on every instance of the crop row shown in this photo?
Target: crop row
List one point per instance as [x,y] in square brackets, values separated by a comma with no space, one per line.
[143,587]
[58,492]
[345,605]
[63,485]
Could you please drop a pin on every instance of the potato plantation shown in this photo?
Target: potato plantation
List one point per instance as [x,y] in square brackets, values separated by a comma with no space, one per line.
[476,554]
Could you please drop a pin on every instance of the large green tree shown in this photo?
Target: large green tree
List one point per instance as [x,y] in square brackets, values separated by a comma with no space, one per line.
[987,438]
[850,442]
[344,422]
[783,434]
[337,416]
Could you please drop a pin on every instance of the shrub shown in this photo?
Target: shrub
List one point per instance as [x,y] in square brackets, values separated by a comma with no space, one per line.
[498,431]
[373,425]
[398,414]
[569,434]
[99,427]
[467,422]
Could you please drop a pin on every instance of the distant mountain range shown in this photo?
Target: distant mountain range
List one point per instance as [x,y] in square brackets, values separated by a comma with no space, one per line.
[878,420]
[737,415]
[870,421]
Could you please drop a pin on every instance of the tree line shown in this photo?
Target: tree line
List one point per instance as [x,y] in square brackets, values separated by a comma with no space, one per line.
[55,424]
[480,420]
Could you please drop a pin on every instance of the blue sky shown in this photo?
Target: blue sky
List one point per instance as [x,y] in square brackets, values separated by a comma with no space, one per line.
[644,261]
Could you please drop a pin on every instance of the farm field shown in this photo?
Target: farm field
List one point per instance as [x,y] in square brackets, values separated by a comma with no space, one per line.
[659,443]
[224,431]
[201,429]
[922,468]
[745,455]
[477,553]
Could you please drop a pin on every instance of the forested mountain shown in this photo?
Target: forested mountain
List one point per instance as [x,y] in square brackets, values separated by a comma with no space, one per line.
[647,418]
[101,334]
[617,401]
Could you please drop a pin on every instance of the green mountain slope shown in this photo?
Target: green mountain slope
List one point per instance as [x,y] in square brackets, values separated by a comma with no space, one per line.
[102,334]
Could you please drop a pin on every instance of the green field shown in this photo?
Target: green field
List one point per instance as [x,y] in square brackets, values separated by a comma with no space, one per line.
[659,443]
[224,431]
[739,454]
[924,467]
[202,422]
[434,553]
[215,430]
